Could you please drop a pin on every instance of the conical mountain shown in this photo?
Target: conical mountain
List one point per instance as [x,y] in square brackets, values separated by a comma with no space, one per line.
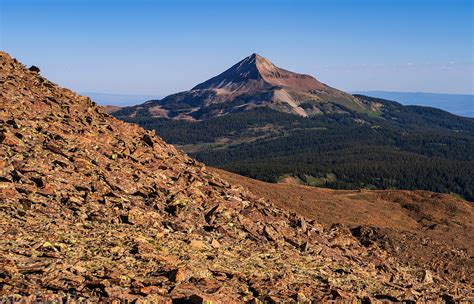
[257,73]
[252,82]
[238,76]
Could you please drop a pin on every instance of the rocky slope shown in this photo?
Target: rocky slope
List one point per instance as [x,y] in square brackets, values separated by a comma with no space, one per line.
[250,83]
[91,207]
[419,228]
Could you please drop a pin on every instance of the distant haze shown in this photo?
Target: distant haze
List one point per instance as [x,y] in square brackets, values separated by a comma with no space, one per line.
[458,104]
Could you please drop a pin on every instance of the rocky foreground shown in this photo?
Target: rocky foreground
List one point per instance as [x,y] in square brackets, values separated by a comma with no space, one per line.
[94,208]
[422,229]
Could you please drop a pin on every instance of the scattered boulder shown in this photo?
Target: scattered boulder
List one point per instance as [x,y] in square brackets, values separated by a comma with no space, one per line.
[34,68]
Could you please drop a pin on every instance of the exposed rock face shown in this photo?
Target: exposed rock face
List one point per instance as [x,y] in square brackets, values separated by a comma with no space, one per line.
[252,82]
[91,207]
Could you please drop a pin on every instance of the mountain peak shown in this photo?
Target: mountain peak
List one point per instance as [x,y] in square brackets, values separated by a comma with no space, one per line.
[256,72]
[253,57]
[248,69]
[256,58]
[255,61]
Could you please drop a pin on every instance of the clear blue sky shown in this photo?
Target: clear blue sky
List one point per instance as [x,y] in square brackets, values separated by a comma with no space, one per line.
[161,47]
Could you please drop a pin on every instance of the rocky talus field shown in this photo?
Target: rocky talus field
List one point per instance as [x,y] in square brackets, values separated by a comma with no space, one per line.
[431,231]
[94,208]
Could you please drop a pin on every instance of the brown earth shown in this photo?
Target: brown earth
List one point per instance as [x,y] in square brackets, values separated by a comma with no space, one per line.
[420,228]
[94,208]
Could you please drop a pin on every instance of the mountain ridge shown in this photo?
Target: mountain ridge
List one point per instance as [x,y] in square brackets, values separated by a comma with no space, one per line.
[458,104]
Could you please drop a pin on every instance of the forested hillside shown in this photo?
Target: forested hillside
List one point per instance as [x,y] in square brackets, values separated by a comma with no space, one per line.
[405,147]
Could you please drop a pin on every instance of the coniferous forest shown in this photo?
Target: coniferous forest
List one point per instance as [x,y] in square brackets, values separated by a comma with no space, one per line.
[405,147]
